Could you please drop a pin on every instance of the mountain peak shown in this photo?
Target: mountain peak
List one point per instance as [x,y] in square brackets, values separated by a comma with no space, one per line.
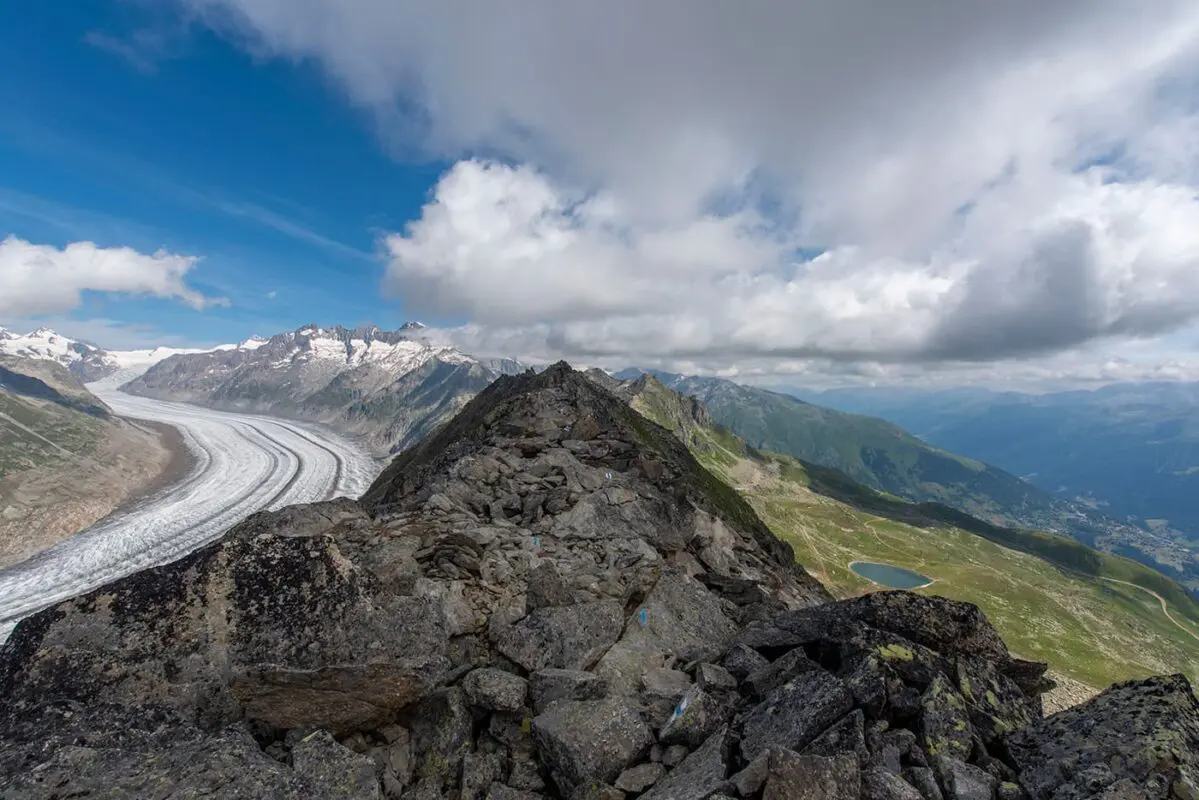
[413,325]
[561,416]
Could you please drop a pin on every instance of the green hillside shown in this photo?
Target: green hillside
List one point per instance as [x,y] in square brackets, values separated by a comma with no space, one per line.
[1051,598]
[880,455]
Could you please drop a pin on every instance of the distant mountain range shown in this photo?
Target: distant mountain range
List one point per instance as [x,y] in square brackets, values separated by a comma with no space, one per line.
[884,456]
[1130,449]
[389,388]
[87,362]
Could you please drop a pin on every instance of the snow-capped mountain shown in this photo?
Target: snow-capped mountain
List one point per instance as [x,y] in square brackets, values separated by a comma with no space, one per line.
[85,361]
[90,363]
[390,387]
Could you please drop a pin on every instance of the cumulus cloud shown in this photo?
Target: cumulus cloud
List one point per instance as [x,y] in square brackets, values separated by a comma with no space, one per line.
[506,247]
[984,180]
[43,279]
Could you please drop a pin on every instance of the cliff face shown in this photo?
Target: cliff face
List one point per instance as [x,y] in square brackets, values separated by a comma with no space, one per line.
[548,598]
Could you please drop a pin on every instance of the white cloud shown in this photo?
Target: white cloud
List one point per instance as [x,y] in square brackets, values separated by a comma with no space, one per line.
[672,158]
[507,248]
[43,279]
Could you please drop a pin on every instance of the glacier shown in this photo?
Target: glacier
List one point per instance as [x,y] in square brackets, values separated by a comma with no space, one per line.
[242,464]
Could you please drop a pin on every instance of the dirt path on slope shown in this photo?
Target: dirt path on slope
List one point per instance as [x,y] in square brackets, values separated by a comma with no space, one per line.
[1162,601]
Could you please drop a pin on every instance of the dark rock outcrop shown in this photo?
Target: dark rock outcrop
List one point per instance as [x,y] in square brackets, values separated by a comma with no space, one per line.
[549,598]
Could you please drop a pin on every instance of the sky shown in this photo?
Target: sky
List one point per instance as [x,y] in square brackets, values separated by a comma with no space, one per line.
[826,193]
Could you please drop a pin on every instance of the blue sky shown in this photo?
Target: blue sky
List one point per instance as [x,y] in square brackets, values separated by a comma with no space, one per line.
[262,168]
[834,190]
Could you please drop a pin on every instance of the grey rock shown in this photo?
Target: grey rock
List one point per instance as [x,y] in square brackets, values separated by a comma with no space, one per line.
[944,721]
[190,764]
[882,784]
[795,713]
[681,619]
[697,716]
[675,754]
[441,726]
[750,780]
[584,741]
[766,679]
[925,781]
[525,775]
[279,628]
[639,778]
[548,685]
[846,736]
[962,781]
[742,660]
[713,678]
[479,772]
[566,637]
[1149,729]
[498,791]
[334,771]
[546,588]
[701,775]
[812,777]
[495,690]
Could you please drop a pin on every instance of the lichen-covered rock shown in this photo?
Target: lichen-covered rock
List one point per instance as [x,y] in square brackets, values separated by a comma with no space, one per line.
[548,685]
[700,775]
[583,741]
[1146,732]
[795,713]
[334,771]
[812,777]
[881,784]
[495,690]
[563,637]
[271,623]
[944,722]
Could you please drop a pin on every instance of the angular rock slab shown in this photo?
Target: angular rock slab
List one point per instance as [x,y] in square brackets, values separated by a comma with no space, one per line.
[563,637]
[585,741]
[795,713]
[812,777]
[282,628]
[1148,729]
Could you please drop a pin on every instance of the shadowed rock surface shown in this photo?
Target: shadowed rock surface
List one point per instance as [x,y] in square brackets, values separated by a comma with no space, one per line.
[548,598]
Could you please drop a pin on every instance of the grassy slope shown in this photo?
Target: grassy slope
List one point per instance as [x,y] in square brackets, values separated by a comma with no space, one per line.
[1090,629]
[25,420]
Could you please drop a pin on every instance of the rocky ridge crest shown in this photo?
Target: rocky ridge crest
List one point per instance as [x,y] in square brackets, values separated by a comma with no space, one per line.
[547,598]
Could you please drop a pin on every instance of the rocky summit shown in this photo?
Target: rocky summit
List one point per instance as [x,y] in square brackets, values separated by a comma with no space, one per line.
[548,598]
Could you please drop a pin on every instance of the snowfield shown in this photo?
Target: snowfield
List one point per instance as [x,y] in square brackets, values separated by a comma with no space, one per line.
[243,464]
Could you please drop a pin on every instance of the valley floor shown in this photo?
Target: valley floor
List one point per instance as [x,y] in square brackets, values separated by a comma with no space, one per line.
[1095,631]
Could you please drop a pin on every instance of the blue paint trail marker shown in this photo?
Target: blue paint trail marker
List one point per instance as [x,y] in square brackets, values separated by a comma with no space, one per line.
[537,541]
[643,617]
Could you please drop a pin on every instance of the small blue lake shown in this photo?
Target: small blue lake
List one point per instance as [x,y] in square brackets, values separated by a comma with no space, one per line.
[889,575]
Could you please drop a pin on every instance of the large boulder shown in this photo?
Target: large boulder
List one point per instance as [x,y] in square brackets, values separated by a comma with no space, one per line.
[1142,732]
[273,623]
